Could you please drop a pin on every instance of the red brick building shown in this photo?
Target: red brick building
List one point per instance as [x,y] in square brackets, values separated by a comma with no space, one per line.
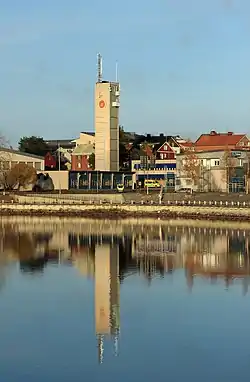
[80,162]
[80,157]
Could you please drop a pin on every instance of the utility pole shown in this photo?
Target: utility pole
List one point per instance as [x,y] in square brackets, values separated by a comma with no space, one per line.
[59,168]
[247,174]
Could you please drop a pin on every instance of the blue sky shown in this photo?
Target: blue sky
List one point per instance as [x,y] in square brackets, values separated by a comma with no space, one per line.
[184,65]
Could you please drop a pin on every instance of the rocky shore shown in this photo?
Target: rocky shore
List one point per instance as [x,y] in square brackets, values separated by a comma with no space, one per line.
[117,212]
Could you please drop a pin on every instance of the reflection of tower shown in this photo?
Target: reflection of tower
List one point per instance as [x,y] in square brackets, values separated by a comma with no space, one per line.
[106,123]
[106,295]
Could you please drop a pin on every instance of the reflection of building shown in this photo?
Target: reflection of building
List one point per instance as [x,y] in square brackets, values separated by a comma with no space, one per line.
[224,257]
[106,293]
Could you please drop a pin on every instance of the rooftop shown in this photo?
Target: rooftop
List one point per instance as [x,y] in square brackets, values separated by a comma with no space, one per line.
[219,139]
[88,133]
[84,149]
[7,150]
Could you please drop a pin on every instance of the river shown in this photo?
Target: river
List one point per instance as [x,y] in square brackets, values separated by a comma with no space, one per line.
[125,301]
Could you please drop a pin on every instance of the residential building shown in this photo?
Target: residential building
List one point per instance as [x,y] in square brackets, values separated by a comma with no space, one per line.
[80,157]
[164,151]
[10,157]
[218,170]
[86,138]
[50,162]
[178,144]
[221,141]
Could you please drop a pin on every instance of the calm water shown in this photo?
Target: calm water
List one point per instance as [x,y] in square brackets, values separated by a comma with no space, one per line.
[108,301]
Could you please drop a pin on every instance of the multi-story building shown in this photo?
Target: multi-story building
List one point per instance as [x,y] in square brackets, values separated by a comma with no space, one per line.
[219,170]
[80,157]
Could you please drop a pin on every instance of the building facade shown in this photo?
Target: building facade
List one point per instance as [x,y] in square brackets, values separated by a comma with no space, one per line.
[220,170]
[80,157]
[9,158]
[161,169]
[85,138]
[107,126]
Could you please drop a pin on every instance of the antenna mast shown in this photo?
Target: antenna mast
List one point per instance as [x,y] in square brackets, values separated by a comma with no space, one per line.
[116,71]
[99,68]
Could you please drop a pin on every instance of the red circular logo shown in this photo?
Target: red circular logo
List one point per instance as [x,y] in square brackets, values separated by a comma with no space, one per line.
[101,104]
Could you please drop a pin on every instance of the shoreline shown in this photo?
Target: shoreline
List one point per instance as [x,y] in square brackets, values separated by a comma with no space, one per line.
[120,212]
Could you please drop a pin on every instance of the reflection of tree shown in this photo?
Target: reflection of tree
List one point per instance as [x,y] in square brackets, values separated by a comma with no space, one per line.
[23,247]
[21,244]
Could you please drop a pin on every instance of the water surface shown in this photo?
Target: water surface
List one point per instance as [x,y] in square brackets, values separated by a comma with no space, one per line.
[124,301]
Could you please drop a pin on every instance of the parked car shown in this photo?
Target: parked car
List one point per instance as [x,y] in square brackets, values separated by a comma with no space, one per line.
[186,190]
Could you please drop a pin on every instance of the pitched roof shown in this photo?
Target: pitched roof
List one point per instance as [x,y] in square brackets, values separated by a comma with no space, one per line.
[84,150]
[159,146]
[88,133]
[6,150]
[186,144]
[219,139]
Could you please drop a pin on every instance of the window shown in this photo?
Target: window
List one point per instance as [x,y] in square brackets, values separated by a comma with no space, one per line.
[38,166]
[5,165]
[216,162]
[79,165]
[79,157]
[165,147]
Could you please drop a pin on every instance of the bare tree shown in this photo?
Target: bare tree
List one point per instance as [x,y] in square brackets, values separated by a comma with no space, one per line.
[228,164]
[5,159]
[20,175]
[191,166]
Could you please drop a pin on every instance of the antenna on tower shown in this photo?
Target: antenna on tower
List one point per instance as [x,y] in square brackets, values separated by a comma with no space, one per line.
[99,68]
[116,71]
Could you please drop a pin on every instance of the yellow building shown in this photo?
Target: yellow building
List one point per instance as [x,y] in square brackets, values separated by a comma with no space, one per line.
[85,138]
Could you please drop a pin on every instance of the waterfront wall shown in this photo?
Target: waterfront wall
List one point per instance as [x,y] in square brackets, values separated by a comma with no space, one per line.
[60,179]
[69,198]
[125,210]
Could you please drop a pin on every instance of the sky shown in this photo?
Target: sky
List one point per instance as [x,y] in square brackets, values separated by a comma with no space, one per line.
[184,65]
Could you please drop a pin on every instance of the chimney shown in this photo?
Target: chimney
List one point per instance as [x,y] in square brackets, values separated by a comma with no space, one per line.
[213,132]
